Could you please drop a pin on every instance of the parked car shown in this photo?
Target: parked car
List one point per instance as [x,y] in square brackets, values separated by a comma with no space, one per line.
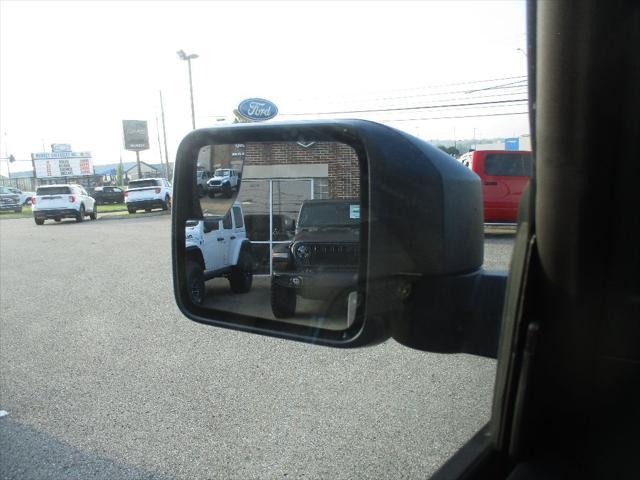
[25,197]
[504,175]
[108,194]
[218,247]
[148,193]
[321,260]
[9,200]
[225,181]
[63,201]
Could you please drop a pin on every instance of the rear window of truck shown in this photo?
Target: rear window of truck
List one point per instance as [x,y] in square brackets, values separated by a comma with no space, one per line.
[508,165]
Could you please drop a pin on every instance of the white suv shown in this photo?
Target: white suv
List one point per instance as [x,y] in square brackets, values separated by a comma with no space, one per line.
[148,193]
[225,181]
[62,201]
[218,247]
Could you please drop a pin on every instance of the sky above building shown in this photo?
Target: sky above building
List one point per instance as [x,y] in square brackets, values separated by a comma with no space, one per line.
[70,72]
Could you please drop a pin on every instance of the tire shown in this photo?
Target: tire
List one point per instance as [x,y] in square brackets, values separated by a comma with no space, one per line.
[212,194]
[147,210]
[226,190]
[200,191]
[94,215]
[39,221]
[81,214]
[166,205]
[57,220]
[241,277]
[283,301]
[131,210]
[195,282]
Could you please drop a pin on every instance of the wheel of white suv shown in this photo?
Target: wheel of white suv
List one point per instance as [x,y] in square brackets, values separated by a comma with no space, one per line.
[94,215]
[195,282]
[166,205]
[226,190]
[283,301]
[131,210]
[81,214]
[241,277]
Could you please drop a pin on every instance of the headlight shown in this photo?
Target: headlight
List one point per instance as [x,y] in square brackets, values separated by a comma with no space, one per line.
[302,252]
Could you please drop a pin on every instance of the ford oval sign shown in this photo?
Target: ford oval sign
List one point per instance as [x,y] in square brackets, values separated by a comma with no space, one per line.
[257,109]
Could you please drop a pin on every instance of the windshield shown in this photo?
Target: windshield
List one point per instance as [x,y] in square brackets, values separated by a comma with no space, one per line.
[222,173]
[142,184]
[329,214]
[53,191]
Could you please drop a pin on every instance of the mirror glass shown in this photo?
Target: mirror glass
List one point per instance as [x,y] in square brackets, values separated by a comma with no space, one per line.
[283,241]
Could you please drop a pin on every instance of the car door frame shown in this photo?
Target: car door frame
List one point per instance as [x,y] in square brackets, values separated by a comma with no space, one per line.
[564,403]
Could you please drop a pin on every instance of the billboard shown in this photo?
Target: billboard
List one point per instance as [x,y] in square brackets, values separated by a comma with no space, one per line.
[136,134]
[62,164]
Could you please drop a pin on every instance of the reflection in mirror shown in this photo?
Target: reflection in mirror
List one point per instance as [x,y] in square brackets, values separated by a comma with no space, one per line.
[286,246]
[218,177]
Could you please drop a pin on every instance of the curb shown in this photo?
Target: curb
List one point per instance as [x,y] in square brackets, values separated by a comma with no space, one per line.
[124,214]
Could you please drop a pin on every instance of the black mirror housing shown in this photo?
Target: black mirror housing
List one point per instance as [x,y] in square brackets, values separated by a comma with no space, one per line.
[421,219]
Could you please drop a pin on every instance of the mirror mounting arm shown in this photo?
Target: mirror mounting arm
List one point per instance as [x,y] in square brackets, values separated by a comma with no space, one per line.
[457,314]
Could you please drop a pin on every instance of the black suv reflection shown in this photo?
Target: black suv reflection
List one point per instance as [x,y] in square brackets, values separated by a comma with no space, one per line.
[321,261]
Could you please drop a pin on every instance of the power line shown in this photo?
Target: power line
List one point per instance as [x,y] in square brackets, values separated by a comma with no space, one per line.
[505,85]
[452,117]
[443,85]
[475,97]
[496,102]
[449,92]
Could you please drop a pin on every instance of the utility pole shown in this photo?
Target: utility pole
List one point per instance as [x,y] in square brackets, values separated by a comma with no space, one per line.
[164,134]
[188,58]
[166,173]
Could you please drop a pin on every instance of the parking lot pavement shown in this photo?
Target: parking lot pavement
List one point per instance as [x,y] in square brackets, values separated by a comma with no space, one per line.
[103,378]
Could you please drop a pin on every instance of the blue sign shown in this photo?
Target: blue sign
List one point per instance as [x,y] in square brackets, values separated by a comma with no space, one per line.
[512,144]
[257,109]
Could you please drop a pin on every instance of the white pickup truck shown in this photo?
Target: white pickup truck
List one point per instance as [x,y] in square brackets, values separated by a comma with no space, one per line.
[225,181]
[148,193]
[218,247]
[62,201]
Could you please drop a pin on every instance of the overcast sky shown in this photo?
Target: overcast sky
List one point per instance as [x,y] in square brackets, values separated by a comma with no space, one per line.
[70,72]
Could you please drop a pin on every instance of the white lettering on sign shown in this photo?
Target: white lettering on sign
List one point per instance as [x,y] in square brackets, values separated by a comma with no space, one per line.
[258,109]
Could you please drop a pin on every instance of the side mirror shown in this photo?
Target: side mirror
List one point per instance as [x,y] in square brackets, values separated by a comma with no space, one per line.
[385,221]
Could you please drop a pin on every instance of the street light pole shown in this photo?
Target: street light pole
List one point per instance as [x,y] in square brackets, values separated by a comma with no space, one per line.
[188,58]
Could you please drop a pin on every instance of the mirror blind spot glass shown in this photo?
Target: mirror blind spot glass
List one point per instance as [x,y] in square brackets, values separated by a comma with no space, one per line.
[289,238]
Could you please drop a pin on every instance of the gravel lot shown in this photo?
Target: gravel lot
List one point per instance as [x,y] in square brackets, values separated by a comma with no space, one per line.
[103,378]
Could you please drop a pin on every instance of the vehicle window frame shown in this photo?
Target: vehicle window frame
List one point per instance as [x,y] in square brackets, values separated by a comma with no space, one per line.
[227,220]
[237,213]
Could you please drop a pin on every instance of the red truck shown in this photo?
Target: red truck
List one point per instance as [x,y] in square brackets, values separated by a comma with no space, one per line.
[504,174]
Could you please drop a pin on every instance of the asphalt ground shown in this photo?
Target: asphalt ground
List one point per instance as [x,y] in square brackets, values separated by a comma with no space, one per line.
[103,378]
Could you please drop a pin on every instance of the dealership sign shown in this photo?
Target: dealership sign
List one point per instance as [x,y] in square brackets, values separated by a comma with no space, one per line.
[257,109]
[511,143]
[62,164]
[60,147]
[136,134]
